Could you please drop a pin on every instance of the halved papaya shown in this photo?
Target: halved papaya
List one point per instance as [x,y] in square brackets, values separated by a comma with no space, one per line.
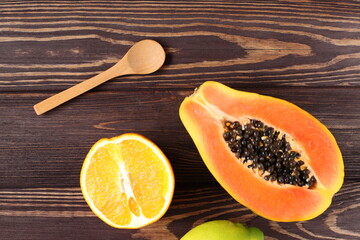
[267,153]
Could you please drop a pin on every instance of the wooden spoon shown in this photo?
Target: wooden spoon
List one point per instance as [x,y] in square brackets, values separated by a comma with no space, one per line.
[143,57]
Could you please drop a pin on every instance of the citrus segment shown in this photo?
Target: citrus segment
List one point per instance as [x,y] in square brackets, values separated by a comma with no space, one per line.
[127,181]
[149,196]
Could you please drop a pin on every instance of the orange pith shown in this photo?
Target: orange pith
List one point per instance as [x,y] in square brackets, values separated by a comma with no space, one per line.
[127,181]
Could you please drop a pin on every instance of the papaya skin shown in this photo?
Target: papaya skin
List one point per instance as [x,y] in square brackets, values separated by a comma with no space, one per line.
[203,114]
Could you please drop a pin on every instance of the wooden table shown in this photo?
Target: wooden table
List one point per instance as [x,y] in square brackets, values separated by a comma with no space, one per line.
[302,51]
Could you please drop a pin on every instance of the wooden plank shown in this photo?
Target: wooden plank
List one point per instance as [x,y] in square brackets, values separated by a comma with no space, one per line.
[49,46]
[303,51]
[48,150]
[54,213]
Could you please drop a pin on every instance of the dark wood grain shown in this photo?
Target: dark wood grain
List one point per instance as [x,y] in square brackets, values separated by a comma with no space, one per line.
[306,52]
[72,129]
[58,211]
[52,45]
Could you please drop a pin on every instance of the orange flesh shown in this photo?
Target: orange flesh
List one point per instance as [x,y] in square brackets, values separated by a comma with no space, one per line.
[125,180]
[103,184]
[203,114]
[148,180]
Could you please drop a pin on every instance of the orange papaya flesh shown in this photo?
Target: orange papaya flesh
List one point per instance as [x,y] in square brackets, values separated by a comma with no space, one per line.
[203,115]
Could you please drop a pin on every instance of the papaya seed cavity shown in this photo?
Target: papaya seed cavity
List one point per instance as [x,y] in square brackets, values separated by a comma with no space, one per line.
[261,147]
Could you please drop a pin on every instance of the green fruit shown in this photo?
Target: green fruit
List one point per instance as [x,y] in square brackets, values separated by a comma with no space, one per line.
[255,233]
[223,229]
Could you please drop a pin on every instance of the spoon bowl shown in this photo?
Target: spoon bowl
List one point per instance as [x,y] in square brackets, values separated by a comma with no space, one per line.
[144,57]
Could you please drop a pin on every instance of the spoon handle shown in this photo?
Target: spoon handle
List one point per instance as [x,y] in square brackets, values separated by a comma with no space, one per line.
[79,89]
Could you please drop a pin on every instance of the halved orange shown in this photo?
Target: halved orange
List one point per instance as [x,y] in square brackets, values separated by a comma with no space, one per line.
[127,181]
